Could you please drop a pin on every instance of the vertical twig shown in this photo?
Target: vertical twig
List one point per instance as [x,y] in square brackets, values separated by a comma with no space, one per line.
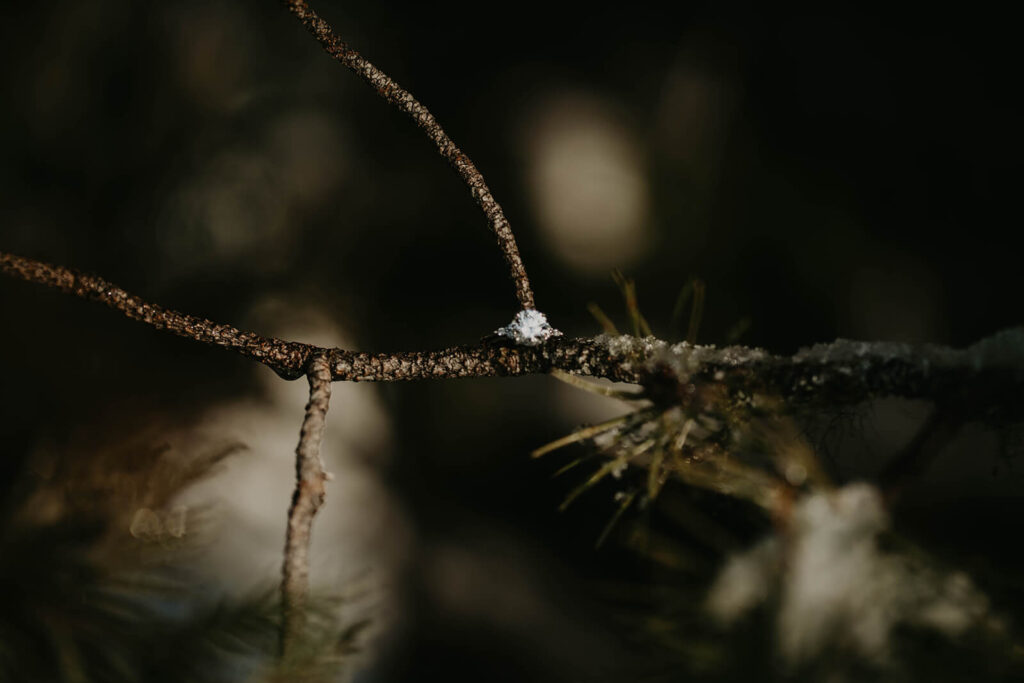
[405,102]
[310,490]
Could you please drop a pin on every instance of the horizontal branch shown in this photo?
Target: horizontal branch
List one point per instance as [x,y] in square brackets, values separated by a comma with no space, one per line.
[986,379]
[404,101]
[587,356]
[288,359]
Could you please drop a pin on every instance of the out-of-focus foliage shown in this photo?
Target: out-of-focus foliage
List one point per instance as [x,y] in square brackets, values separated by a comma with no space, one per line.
[95,579]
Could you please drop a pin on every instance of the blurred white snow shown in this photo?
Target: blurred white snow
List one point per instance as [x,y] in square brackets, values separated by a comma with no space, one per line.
[834,587]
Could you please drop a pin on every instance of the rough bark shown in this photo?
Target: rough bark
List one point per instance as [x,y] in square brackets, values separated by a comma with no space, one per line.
[984,380]
[310,491]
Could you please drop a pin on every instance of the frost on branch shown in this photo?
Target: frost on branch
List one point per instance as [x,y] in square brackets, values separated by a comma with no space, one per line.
[530,327]
[836,590]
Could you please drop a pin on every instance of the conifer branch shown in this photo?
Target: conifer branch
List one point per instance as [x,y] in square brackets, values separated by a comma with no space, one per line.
[985,380]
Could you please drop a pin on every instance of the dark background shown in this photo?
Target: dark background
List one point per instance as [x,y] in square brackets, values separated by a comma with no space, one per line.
[849,171]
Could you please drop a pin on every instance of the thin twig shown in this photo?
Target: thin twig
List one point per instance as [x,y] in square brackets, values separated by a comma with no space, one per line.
[287,358]
[310,490]
[405,102]
[984,381]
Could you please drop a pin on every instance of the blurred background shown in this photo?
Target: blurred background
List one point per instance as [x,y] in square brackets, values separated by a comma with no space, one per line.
[849,171]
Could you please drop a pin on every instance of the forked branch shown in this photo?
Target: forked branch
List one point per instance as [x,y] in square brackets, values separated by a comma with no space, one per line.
[982,380]
[403,100]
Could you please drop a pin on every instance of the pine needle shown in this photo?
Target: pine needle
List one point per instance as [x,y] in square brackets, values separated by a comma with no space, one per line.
[681,439]
[565,468]
[654,478]
[697,312]
[693,292]
[626,502]
[683,298]
[597,476]
[581,435]
[603,320]
[633,394]
[628,288]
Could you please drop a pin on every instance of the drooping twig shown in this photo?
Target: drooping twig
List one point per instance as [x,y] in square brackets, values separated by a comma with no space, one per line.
[310,489]
[405,102]
[984,380]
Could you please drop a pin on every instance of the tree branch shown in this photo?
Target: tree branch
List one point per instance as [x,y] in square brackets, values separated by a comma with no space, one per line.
[286,358]
[984,380]
[405,102]
[310,490]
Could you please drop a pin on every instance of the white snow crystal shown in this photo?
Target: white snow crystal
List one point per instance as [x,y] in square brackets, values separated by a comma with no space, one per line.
[529,328]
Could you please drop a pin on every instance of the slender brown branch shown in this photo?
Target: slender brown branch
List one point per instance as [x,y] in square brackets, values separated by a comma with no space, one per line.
[405,102]
[286,358]
[985,380]
[310,490]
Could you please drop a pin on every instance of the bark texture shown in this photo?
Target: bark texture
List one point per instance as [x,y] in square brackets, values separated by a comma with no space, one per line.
[310,491]
[983,381]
